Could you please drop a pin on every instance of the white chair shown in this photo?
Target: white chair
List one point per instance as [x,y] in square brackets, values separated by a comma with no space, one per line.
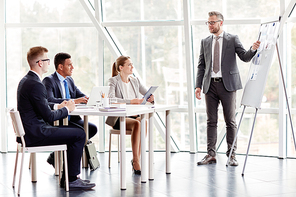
[116,132]
[21,147]
[175,85]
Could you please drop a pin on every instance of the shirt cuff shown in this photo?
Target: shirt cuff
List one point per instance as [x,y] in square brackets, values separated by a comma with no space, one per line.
[55,107]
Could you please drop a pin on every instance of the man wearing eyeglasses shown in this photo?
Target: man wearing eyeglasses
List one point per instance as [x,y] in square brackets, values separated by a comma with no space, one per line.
[60,87]
[218,76]
[36,113]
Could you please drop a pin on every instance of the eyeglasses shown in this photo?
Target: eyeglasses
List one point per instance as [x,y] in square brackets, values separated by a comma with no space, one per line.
[212,22]
[45,60]
[131,64]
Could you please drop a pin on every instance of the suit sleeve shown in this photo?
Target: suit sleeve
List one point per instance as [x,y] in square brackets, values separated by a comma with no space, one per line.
[41,105]
[244,55]
[112,84]
[200,67]
[50,91]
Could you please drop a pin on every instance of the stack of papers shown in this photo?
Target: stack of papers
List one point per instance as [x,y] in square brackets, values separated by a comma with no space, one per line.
[106,109]
[84,106]
[119,105]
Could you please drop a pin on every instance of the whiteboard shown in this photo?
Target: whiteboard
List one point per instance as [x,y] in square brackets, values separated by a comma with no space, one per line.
[260,65]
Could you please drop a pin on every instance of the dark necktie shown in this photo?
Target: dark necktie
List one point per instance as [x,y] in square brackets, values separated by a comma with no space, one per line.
[66,89]
[216,55]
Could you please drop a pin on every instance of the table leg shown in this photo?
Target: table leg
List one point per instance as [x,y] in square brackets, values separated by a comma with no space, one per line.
[122,154]
[56,166]
[33,168]
[151,150]
[56,163]
[84,158]
[167,142]
[143,150]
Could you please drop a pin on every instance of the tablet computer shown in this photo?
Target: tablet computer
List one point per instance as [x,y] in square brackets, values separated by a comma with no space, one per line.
[148,94]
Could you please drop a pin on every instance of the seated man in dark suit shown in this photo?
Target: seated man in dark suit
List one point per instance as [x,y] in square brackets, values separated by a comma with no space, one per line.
[60,87]
[36,113]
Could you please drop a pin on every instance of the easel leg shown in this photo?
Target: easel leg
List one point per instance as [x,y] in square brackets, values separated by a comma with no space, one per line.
[232,147]
[286,95]
[250,141]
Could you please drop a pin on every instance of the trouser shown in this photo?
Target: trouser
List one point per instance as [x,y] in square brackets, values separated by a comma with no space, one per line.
[78,122]
[92,128]
[74,138]
[216,94]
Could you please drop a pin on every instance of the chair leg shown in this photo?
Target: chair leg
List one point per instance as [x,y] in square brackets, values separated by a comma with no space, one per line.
[15,167]
[109,164]
[57,155]
[21,173]
[33,168]
[118,148]
[30,162]
[66,171]
[56,166]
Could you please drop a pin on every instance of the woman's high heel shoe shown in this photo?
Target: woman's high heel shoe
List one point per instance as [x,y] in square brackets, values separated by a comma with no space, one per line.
[138,172]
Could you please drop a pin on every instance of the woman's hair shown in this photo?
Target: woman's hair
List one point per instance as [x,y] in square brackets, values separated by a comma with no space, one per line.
[119,62]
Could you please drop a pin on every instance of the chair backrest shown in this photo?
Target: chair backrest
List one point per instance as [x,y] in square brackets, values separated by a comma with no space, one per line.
[17,123]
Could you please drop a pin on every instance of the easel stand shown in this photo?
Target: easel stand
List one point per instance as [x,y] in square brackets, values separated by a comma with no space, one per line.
[289,112]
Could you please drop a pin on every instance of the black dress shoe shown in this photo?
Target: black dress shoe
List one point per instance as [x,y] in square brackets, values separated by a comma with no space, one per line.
[79,184]
[233,161]
[63,183]
[50,159]
[138,172]
[208,159]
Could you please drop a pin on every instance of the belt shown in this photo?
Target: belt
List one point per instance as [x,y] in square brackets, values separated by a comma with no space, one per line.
[217,79]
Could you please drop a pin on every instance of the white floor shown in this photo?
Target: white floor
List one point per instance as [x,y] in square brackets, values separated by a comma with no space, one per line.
[264,176]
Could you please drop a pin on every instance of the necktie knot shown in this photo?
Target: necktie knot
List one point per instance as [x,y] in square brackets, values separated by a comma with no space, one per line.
[217,38]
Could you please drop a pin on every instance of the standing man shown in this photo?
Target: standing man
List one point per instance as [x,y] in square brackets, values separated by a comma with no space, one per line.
[60,87]
[36,113]
[218,75]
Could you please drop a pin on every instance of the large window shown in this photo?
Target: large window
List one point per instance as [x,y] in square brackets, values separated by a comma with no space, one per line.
[79,40]
[291,53]
[158,54]
[130,10]
[236,9]
[53,11]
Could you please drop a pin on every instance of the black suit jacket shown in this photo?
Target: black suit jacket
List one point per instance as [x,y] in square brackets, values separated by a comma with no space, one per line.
[54,91]
[35,111]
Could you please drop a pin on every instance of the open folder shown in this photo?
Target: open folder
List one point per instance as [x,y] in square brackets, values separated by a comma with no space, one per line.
[148,94]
